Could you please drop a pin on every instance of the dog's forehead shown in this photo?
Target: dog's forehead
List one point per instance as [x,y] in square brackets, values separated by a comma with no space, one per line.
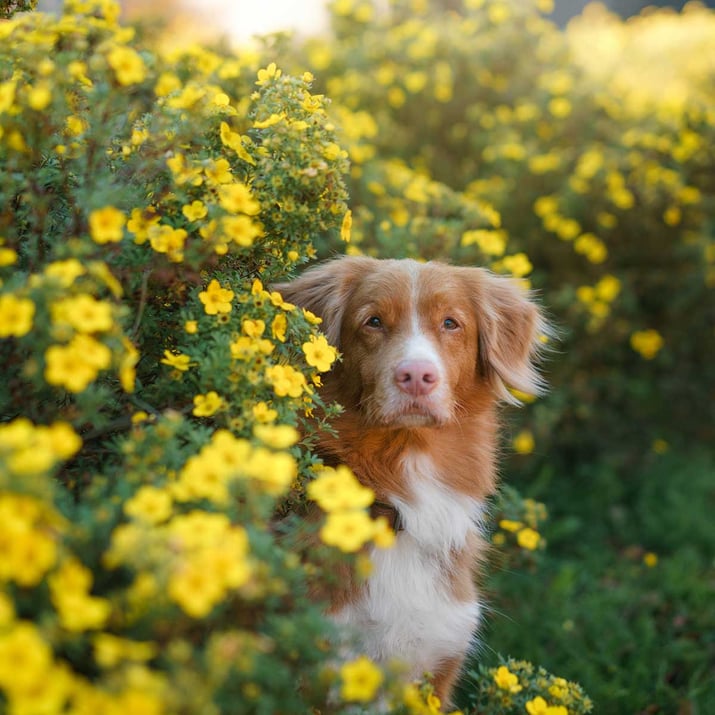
[410,282]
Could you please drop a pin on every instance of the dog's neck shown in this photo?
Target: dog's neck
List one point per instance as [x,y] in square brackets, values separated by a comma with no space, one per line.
[462,453]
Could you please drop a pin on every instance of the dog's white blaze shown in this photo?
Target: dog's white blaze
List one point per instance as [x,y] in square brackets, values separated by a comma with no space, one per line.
[418,345]
[407,610]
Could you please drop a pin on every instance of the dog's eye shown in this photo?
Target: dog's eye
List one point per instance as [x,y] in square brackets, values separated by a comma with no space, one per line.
[373,322]
[450,324]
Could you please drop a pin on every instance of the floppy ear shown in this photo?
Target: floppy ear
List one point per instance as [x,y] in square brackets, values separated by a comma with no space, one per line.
[324,290]
[511,328]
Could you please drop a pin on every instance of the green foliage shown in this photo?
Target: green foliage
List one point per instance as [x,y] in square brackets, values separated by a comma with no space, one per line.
[623,596]
[9,7]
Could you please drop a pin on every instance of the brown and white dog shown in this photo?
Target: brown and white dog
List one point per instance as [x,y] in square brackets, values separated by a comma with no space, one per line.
[428,351]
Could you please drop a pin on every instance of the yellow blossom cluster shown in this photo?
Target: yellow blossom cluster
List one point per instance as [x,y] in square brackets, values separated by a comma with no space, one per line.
[29,545]
[520,523]
[27,449]
[347,526]
[209,556]
[520,687]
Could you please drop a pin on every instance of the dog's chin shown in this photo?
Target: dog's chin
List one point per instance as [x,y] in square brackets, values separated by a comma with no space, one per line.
[412,415]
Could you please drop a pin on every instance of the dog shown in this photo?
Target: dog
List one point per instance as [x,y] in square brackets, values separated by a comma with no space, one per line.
[428,352]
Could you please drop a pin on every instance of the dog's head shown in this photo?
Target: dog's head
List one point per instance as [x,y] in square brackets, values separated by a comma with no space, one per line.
[418,339]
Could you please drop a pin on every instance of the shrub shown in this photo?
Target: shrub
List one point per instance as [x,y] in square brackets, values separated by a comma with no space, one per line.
[159,401]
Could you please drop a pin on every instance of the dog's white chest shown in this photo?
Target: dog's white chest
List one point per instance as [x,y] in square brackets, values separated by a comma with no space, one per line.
[408,610]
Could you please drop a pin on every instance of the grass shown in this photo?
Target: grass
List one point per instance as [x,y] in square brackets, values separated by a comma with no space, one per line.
[639,638]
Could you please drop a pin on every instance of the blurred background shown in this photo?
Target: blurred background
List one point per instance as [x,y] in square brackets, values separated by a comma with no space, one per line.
[242,19]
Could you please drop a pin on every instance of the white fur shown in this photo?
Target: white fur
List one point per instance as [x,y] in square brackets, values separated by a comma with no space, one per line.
[407,611]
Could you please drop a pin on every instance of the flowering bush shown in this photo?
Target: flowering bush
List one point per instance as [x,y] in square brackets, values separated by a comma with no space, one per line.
[518,686]
[159,401]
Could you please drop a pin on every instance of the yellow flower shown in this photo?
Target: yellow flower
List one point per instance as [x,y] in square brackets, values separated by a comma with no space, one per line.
[178,361]
[75,365]
[538,706]
[524,442]
[195,589]
[236,197]
[110,650]
[338,490]
[319,353]
[267,74]
[69,591]
[29,553]
[347,530]
[208,404]
[518,265]
[169,240]
[528,539]
[492,243]
[195,210]
[274,471]
[16,315]
[647,342]
[311,318]
[263,413]
[8,256]
[277,436]
[62,439]
[506,680]
[25,658]
[509,525]
[219,172]
[608,288]
[234,141]
[65,271]
[241,229]
[106,225]
[167,83]
[84,313]
[149,504]
[279,327]
[269,121]
[128,65]
[560,107]
[7,95]
[39,96]
[286,380]
[140,223]
[253,328]
[650,559]
[360,680]
[346,226]
[216,299]
[383,536]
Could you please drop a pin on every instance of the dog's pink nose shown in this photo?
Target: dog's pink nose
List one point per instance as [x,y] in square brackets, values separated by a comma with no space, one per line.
[416,377]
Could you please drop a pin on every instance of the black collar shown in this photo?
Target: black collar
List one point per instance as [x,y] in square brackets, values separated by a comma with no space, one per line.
[390,512]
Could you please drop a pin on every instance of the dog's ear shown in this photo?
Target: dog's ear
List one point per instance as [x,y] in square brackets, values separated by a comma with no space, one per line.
[511,332]
[324,290]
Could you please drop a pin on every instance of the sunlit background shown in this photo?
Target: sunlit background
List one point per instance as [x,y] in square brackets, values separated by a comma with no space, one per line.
[243,20]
